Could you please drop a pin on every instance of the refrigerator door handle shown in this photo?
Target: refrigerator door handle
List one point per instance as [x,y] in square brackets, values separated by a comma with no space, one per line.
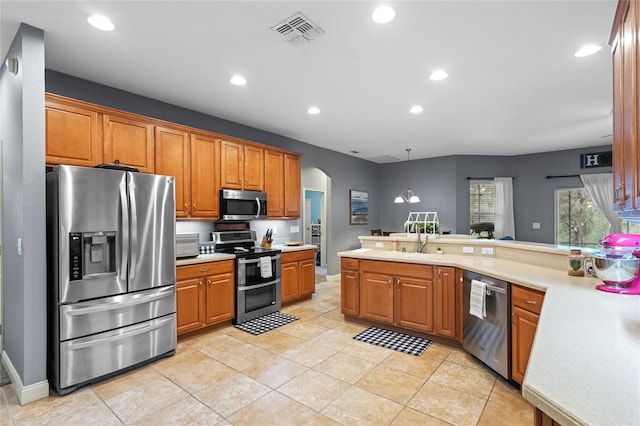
[134,230]
[124,208]
[144,328]
[119,305]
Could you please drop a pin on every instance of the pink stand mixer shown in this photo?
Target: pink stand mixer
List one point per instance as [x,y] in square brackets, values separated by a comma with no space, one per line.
[617,264]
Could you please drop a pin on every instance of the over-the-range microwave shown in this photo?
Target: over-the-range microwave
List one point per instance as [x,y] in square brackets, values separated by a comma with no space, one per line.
[242,205]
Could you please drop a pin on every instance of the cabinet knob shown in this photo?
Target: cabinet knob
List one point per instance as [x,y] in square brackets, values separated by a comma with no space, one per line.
[185,208]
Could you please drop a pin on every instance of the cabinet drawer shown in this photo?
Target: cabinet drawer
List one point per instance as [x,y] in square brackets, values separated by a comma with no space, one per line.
[527,299]
[349,264]
[398,268]
[204,269]
[295,256]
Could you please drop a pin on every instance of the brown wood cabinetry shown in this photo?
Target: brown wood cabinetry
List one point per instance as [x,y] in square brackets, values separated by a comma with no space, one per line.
[376,296]
[298,274]
[73,133]
[291,186]
[241,166]
[626,107]
[205,186]
[445,302]
[282,184]
[350,286]
[172,159]
[525,311]
[205,295]
[413,304]
[129,141]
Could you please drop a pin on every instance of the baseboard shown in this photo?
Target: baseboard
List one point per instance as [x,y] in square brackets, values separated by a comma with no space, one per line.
[25,394]
[335,277]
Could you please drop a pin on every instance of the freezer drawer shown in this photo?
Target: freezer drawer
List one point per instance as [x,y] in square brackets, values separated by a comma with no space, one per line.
[95,316]
[88,358]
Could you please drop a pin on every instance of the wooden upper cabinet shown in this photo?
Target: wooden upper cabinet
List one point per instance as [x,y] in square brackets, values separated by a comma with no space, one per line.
[130,141]
[291,186]
[241,166]
[172,159]
[73,134]
[205,189]
[274,182]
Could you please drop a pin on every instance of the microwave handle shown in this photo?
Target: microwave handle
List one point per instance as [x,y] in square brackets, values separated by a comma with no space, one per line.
[258,203]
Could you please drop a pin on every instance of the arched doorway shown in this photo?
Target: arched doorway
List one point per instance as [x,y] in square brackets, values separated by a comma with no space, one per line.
[316,225]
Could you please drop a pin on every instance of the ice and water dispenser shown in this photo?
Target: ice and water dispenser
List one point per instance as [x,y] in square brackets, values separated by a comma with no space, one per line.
[91,254]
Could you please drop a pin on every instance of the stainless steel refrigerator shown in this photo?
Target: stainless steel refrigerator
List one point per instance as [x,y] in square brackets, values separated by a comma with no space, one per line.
[111,272]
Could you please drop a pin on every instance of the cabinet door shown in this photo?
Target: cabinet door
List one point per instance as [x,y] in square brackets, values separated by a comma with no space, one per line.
[205,189]
[350,293]
[307,276]
[292,186]
[189,305]
[445,302]
[130,141]
[376,297]
[73,134]
[253,168]
[220,298]
[414,304]
[523,330]
[274,182]
[290,281]
[231,167]
[172,159]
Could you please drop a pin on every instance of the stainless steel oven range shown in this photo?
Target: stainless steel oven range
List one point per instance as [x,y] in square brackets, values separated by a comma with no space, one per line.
[257,273]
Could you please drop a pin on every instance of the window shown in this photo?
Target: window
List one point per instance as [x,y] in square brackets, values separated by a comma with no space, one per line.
[482,197]
[579,221]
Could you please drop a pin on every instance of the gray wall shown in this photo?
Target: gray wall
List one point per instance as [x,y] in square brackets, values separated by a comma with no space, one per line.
[23,207]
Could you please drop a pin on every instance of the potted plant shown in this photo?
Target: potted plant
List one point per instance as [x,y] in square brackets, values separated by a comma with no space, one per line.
[439,250]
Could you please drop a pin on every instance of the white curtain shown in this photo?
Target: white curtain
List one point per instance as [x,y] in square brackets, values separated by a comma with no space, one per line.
[504,224]
[600,188]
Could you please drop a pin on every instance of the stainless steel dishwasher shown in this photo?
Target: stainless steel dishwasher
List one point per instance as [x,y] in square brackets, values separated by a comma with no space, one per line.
[488,339]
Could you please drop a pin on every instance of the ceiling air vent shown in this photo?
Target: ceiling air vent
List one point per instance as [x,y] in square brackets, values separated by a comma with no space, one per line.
[298,29]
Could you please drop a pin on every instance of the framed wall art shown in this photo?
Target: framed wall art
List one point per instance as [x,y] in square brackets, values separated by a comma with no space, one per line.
[358,207]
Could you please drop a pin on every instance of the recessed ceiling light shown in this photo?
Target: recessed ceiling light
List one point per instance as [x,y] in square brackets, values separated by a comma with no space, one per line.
[587,50]
[438,75]
[313,110]
[383,14]
[416,109]
[101,22]
[238,80]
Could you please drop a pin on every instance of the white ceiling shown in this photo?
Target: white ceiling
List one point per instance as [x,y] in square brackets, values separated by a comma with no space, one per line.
[514,86]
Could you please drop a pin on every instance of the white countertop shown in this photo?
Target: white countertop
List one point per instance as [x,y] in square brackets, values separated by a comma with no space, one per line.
[584,367]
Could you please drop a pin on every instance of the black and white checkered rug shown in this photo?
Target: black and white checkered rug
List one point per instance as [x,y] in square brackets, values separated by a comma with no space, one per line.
[266,323]
[411,345]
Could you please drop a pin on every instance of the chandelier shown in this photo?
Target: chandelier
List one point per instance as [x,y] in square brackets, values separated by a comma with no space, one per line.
[407,196]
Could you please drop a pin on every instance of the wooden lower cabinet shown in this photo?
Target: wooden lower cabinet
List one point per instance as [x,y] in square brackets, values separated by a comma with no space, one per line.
[376,297]
[525,312]
[445,291]
[298,275]
[205,295]
[350,286]
[413,302]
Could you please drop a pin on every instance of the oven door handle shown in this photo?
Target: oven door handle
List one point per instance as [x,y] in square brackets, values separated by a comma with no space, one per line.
[244,261]
[251,287]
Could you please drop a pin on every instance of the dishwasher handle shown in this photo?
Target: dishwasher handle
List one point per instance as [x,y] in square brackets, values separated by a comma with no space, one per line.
[496,289]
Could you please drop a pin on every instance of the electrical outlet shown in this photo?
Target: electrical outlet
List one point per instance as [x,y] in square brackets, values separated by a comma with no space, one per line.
[294,229]
[379,245]
[536,225]
[487,250]
[466,249]
[275,229]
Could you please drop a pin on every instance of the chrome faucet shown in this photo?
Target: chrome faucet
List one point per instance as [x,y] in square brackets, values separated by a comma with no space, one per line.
[420,245]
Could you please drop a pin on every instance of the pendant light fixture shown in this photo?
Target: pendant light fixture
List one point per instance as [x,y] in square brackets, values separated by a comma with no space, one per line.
[407,196]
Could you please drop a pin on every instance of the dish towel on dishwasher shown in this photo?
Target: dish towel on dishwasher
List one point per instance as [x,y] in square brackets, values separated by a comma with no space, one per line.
[265,267]
[477,301]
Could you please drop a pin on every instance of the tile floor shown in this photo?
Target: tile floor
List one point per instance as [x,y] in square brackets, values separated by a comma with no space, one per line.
[309,372]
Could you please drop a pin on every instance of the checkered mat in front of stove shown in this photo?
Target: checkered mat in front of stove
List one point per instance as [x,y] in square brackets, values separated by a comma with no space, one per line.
[266,323]
[400,342]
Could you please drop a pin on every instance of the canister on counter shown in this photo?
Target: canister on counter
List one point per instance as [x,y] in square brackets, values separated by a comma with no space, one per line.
[576,262]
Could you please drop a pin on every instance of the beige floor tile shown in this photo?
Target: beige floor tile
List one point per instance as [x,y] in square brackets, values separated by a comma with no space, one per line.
[141,401]
[274,371]
[351,329]
[314,389]
[391,384]
[459,356]
[419,366]
[51,407]
[273,409]
[437,352]
[345,367]
[302,329]
[333,338]
[97,414]
[321,420]
[368,351]
[409,417]
[217,344]
[187,411]
[237,357]
[309,354]
[232,394]
[192,370]
[325,320]
[125,382]
[275,341]
[464,379]
[505,394]
[499,415]
[358,407]
[448,404]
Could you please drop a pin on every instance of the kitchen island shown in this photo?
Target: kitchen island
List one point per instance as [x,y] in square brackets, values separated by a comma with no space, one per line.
[584,368]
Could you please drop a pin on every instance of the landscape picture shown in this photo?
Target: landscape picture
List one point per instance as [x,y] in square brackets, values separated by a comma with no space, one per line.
[359,206]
